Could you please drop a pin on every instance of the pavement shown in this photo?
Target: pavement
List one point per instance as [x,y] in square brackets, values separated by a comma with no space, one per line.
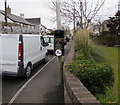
[43,87]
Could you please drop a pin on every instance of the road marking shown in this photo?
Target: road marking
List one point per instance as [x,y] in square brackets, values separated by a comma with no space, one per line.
[18,92]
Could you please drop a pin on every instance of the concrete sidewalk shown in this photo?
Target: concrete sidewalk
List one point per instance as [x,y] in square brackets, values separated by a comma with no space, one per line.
[42,88]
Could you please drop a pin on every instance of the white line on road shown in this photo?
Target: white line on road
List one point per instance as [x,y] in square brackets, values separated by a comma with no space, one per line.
[18,92]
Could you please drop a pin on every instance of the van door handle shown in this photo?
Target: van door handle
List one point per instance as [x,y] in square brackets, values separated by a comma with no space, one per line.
[40,48]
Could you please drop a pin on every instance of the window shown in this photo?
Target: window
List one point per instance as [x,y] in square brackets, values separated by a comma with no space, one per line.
[51,40]
[42,41]
[46,39]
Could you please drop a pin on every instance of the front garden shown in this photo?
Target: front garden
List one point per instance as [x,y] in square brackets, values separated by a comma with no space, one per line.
[94,68]
[111,55]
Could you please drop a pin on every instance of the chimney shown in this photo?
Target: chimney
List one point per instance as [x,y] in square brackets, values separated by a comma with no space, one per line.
[21,15]
[8,10]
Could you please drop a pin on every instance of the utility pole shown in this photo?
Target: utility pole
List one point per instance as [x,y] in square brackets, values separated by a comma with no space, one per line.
[5,13]
[74,18]
[58,14]
[59,40]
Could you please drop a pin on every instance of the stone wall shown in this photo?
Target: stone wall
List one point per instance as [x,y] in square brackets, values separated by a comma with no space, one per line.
[75,92]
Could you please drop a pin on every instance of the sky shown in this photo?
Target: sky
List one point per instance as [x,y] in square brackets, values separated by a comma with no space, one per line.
[40,9]
[32,9]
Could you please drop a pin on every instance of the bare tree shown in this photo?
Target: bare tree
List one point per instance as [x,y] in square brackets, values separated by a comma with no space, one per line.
[99,24]
[82,11]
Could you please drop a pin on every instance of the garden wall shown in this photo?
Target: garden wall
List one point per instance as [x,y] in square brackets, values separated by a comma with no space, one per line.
[75,92]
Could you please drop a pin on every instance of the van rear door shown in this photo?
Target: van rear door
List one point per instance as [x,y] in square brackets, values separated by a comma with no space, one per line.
[9,52]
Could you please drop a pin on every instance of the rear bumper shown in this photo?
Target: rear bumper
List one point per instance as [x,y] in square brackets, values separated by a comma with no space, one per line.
[9,68]
[19,72]
[8,73]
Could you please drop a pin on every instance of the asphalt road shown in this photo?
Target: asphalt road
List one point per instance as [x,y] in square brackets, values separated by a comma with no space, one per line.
[10,85]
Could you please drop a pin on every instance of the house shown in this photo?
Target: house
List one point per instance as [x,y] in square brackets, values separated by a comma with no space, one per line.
[37,22]
[96,29]
[15,24]
[105,22]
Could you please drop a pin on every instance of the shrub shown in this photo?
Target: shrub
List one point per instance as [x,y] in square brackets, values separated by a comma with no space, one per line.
[108,39]
[96,78]
[83,43]
[80,55]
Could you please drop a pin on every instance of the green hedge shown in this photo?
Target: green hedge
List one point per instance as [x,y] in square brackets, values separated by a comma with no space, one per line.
[97,78]
[108,39]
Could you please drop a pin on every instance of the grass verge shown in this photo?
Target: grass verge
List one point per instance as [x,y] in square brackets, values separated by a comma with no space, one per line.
[111,55]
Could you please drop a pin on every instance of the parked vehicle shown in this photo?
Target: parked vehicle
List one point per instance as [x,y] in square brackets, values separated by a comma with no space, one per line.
[20,53]
[50,40]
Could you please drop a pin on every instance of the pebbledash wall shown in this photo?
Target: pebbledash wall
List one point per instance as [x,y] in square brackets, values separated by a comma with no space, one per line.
[74,91]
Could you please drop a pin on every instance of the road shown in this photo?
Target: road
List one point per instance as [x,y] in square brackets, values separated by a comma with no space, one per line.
[10,85]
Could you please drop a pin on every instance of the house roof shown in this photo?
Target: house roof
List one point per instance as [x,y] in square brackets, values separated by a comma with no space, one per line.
[34,20]
[15,18]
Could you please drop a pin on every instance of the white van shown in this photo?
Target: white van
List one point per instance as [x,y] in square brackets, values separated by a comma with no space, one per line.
[20,53]
[50,40]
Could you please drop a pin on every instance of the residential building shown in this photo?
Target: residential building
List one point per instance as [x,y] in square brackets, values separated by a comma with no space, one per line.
[15,24]
[37,22]
[96,29]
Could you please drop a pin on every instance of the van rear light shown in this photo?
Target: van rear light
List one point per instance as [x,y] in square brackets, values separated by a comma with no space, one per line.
[20,52]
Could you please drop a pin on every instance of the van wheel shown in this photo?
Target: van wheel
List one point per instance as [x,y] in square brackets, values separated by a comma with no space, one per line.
[46,58]
[27,72]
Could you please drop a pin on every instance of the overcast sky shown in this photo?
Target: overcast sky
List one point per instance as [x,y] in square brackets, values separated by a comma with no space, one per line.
[38,8]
